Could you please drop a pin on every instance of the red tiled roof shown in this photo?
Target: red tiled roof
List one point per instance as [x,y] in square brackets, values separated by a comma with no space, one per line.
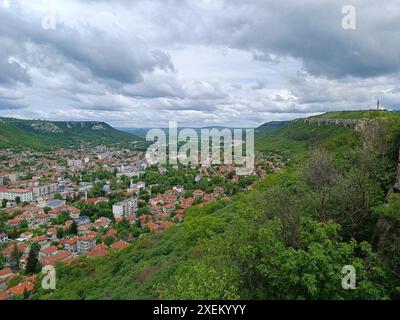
[19,289]
[59,257]
[48,250]
[97,253]
[16,190]
[70,241]
[5,272]
[119,245]
[20,246]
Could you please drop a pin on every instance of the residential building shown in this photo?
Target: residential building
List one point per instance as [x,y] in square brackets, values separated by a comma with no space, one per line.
[127,208]
[119,245]
[102,223]
[60,256]
[198,193]
[70,245]
[25,195]
[168,208]
[74,163]
[45,191]
[85,244]
[47,252]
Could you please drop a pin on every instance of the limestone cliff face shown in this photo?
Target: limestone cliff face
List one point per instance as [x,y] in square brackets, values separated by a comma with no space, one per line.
[332,122]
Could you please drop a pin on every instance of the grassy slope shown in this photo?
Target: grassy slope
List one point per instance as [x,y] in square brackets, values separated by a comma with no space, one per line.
[150,264]
[20,133]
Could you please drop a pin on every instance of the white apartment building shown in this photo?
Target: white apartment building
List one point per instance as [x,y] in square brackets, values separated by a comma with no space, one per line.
[74,163]
[25,195]
[127,208]
[44,191]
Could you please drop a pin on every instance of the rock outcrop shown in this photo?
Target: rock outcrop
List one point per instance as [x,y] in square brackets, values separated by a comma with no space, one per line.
[46,127]
[332,122]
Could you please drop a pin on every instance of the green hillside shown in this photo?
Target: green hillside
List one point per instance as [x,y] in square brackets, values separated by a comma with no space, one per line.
[288,238]
[270,127]
[49,134]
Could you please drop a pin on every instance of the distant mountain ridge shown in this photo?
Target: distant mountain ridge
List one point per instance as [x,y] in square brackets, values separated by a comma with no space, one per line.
[42,134]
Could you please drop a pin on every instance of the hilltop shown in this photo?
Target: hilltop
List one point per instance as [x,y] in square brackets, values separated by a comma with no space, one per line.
[40,134]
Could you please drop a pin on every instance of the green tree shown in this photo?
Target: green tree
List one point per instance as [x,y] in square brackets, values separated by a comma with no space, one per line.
[14,258]
[33,264]
[73,229]
[58,196]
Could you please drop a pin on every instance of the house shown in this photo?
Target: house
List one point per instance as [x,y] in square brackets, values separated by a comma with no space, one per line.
[74,213]
[168,208]
[70,245]
[102,223]
[47,252]
[21,247]
[219,190]
[119,245]
[85,244]
[5,275]
[40,240]
[140,185]
[178,189]
[97,253]
[83,221]
[84,229]
[100,250]
[97,200]
[40,219]
[157,200]
[125,208]
[20,289]
[155,209]
[3,237]
[14,222]
[52,234]
[179,217]
[198,193]
[60,256]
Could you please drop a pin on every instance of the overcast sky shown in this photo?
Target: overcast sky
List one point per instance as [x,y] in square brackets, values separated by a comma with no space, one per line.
[241,63]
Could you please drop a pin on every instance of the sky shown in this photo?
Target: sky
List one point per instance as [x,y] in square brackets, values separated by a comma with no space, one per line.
[143,63]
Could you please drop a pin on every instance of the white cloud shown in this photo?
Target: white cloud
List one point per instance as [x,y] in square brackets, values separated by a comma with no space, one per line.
[143,63]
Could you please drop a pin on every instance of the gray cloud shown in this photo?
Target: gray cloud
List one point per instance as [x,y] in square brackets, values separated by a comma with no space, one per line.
[216,62]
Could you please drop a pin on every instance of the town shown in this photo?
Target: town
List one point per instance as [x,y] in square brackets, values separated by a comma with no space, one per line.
[89,202]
